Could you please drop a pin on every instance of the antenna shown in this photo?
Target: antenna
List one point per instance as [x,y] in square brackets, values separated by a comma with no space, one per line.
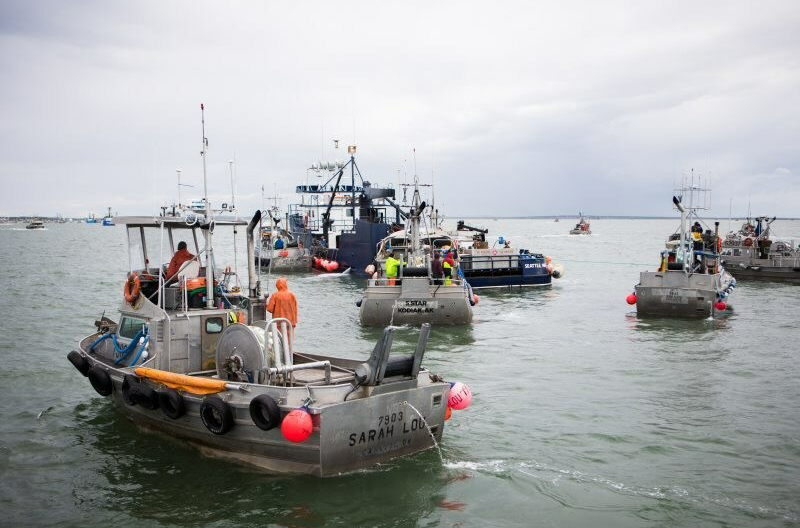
[209,218]
[233,194]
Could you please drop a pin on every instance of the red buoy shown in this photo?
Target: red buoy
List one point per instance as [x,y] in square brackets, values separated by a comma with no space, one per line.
[296,426]
[334,265]
[721,305]
[459,397]
[448,413]
[631,298]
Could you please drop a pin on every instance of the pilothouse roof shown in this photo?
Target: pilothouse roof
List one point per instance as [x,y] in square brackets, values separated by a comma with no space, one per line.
[175,221]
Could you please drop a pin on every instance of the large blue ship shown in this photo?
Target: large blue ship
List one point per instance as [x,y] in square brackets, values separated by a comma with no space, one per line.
[341,216]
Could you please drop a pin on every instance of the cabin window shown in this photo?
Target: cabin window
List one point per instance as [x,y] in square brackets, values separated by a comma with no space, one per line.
[214,325]
[130,326]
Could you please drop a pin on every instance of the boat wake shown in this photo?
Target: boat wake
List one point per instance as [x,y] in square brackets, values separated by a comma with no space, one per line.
[553,475]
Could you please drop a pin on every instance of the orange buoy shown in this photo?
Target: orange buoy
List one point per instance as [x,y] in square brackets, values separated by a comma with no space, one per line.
[448,413]
[132,288]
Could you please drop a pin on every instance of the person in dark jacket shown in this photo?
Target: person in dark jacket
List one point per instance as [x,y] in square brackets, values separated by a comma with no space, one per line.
[436,269]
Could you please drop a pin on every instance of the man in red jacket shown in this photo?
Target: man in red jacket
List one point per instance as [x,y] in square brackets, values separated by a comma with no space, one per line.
[180,256]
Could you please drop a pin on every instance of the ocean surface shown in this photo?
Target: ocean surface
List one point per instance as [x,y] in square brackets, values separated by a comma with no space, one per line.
[583,414]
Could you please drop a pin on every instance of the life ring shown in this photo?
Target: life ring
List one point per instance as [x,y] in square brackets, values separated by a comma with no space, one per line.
[217,415]
[171,403]
[748,242]
[79,362]
[265,412]
[100,380]
[132,288]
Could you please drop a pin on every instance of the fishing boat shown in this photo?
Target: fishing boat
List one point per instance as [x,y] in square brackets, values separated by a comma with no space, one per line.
[690,280]
[194,356]
[752,253]
[91,219]
[582,227]
[501,265]
[36,224]
[341,221]
[414,296]
[108,220]
[280,250]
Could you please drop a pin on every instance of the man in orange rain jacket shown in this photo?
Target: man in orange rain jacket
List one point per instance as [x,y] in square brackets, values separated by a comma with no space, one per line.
[283,303]
[181,256]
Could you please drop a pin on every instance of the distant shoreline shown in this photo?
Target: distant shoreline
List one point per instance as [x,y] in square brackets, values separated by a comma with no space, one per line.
[28,218]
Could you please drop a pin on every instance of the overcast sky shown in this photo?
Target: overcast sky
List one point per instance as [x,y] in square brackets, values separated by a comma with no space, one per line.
[515,108]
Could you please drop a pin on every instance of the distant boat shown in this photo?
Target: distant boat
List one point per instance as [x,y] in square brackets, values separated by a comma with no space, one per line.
[581,228]
[108,220]
[91,219]
[556,220]
[36,224]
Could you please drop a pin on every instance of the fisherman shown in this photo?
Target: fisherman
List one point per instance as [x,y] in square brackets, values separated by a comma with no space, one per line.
[180,256]
[436,268]
[283,303]
[448,266]
[279,243]
[392,267]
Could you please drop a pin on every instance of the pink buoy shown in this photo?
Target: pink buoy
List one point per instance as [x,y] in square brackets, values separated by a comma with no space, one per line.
[475,298]
[459,397]
[721,305]
[631,298]
[297,426]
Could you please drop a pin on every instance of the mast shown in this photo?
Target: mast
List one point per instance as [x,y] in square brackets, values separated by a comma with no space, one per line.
[209,219]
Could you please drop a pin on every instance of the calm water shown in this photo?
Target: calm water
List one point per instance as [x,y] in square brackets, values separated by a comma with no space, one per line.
[583,414]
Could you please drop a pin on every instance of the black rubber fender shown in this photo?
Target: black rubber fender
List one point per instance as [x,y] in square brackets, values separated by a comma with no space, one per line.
[127,381]
[79,362]
[100,380]
[171,403]
[217,415]
[265,412]
[144,395]
[136,392]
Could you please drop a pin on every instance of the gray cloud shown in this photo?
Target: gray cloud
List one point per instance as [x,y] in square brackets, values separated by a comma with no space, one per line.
[516,108]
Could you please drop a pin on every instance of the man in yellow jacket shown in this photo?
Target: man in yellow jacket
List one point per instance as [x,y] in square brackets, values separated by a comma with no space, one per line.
[392,267]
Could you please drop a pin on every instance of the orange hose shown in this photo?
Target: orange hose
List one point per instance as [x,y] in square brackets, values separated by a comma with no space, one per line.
[182,381]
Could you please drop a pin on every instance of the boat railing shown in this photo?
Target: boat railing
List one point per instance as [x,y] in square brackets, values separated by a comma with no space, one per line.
[384,281]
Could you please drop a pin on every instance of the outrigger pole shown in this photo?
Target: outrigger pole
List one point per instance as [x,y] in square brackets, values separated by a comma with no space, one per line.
[209,219]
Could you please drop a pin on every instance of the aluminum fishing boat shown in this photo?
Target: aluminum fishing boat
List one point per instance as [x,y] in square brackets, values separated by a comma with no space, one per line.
[414,296]
[291,256]
[194,356]
[690,281]
[752,253]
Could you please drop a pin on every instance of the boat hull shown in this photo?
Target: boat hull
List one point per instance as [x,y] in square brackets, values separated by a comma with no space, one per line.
[414,301]
[677,294]
[779,270]
[502,271]
[347,435]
